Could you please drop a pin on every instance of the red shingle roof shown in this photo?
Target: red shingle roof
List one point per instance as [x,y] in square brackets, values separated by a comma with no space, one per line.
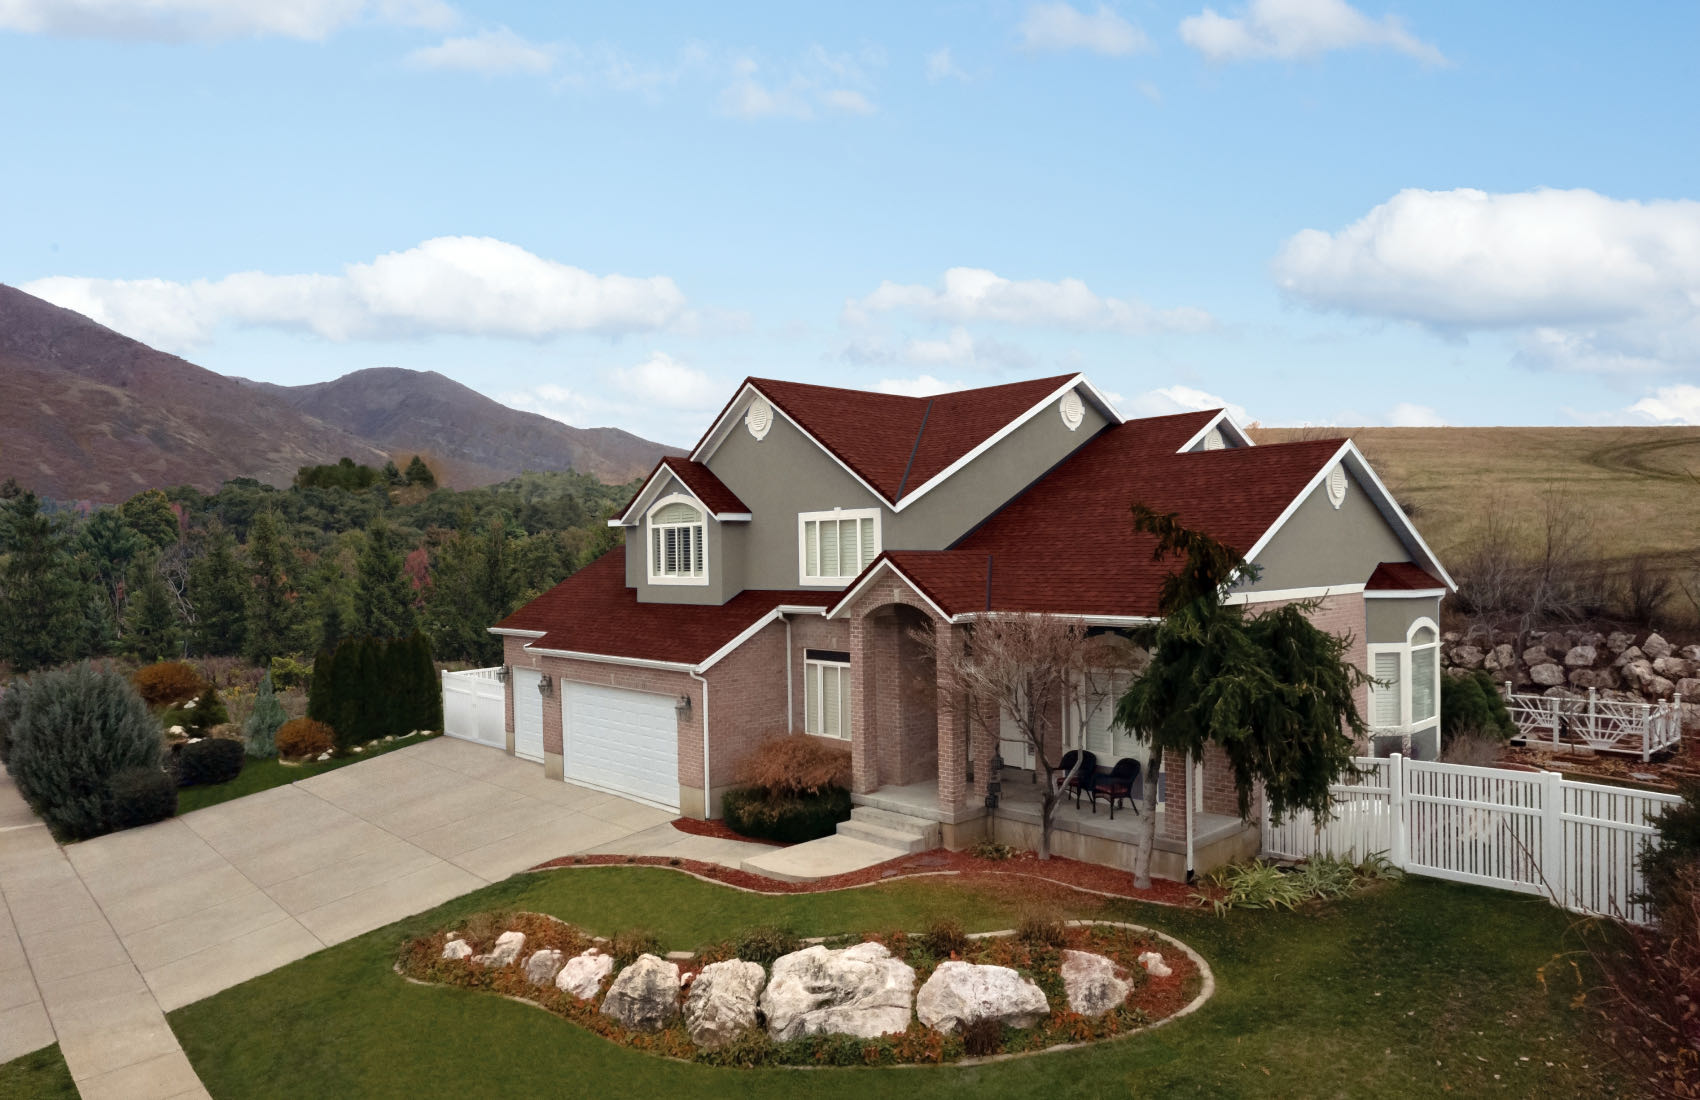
[1401,576]
[700,480]
[593,611]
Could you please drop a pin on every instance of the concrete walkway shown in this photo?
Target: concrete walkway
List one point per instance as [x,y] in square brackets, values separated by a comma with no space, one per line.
[99,939]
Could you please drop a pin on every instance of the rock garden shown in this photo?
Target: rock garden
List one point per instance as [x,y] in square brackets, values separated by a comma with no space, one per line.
[766,998]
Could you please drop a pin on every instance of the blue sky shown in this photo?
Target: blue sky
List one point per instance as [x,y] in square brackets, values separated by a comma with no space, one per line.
[1314,211]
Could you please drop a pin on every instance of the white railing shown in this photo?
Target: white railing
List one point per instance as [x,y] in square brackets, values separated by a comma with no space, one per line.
[474,707]
[1533,832]
[1605,725]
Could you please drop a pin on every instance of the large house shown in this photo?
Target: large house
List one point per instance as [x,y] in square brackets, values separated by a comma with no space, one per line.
[773,581]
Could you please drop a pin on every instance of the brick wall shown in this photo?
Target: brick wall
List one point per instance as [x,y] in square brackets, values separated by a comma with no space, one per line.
[746,704]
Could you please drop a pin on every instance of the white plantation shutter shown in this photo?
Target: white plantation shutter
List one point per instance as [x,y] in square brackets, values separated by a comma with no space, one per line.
[1384,696]
[811,698]
[811,548]
[656,566]
[1422,684]
[867,544]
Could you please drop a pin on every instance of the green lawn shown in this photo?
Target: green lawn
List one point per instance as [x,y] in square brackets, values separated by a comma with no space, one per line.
[38,1076]
[263,775]
[1413,988]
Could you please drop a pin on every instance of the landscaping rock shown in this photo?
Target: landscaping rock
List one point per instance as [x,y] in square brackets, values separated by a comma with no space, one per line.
[1581,656]
[457,949]
[1091,983]
[1154,965]
[507,949]
[583,975]
[1656,647]
[1547,675]
[1671,668]
[860,991]
[645,996]
[723,1001]
[1585,678]
[1639,674]
[1633,653]
[1536,655]
[1467,656]
[543,965]
[1689,689]
[1500,657]
[1555,641]
[1690,653]
[960,993]
[1619,641]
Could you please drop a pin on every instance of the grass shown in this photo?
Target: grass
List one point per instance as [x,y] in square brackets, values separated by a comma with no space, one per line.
[41,1075]
[1415,987]
[263,775]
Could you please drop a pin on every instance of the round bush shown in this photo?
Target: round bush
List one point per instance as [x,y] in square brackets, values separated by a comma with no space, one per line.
[167,682]
[78,727]
[303,737]
[1472,704]
[11,705]
[790,819]
[142,796]
[211,760]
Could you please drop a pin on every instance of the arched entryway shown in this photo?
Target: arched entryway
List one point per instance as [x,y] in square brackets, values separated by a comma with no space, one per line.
[898,701]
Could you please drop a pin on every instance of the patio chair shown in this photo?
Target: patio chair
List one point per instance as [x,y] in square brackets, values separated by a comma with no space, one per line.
[1081,779]
[1117,786]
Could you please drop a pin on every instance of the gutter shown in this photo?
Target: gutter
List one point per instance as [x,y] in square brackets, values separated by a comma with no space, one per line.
[707,792]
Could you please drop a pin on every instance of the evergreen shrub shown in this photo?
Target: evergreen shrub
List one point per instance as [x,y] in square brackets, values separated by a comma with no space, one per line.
[259,733]
[142,796]
[1472,705]
[167,682]
[209,711]
[303,737]
[11,705]
[789,819]
[208,761]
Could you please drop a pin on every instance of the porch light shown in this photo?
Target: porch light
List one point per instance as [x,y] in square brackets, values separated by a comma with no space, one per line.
[683,707]
[545,685]
[503,673]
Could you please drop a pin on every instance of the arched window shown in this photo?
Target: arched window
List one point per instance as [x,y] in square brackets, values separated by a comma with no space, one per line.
[1406,694]
[678,551]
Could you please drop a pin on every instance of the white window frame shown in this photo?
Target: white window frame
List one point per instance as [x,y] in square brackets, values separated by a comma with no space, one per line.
[814,673]
[1406,652]
[835,514]
[650,529]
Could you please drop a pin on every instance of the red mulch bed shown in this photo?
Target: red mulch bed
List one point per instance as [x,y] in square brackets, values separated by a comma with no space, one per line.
[719,831]
[968,869]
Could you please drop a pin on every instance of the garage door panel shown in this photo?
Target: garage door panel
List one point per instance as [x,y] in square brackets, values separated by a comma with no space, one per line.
[528,714]
[622,741]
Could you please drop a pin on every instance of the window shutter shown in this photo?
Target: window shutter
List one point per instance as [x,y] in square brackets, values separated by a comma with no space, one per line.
[696,544]
[1384,704]
[811,549]
[829,549]
[1422,684]
[868,550]
[844,702]
[657,566]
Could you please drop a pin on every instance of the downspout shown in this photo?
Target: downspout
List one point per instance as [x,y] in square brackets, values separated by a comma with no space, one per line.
[790,711]
[1192,791]
[707,794]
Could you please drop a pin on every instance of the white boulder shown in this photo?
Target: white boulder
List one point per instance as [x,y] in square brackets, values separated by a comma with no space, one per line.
[860,991]
[1581,656]
[543,965]
[583,975]
[1091,983]
[1619,641]
[960,993]
[1690,653]
[645,995]
[1154,964]
[1656,647]
[507,949]
[457,949]
[1547,675]
[723,1001]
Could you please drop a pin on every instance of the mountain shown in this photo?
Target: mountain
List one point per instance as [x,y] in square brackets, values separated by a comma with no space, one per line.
[87,413]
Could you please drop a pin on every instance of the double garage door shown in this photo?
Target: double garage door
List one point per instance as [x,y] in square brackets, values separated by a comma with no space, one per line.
[616,740]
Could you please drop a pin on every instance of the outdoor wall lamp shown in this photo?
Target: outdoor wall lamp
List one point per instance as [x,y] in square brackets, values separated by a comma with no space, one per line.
[683,707]
[545,685]
[503,673]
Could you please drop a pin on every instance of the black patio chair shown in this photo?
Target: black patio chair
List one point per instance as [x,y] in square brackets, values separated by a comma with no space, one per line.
[1082,777]
[1117,786]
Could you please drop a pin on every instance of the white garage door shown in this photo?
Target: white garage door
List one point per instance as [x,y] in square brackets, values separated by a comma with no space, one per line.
[528,714]
[626,742]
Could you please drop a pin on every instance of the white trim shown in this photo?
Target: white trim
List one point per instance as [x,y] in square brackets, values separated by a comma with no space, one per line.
[608,659]
[752,630]
[637,505]
[1403,593]
[718,433]
[1276,595]
[690,500]
[509,632]
[1405,651]
[867,578]
[732,517]
[835,514]
[1222,419]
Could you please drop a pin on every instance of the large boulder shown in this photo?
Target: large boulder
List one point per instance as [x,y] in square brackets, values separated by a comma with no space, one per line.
[1656,647]
[1581,656]
[1671,668]
[1091,983]
[543,965]
[723,1002]
[583,975]
[1467,656]
[960,993]
[860,991]
[1556,641]
[1690,653]
[507,949]
[645,995]
[1600,678]
[457,949]
[1619,641]
[1689,689]
[1547,675]
[1640,675]
[1499,658]
[1536,655]
[1633,653]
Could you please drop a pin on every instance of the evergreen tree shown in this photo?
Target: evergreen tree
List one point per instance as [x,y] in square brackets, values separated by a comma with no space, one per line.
[420,474]
[150,515]
[328,604]
[218,591]
[108,547]
[152,630]
[321,694]
[457,605]
[428,686]
[392,476]
[273,615]
[41,603]
[383,595]
[259,733]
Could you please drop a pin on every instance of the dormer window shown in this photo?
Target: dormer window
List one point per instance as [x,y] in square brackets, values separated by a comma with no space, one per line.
[678,548]
[833,547]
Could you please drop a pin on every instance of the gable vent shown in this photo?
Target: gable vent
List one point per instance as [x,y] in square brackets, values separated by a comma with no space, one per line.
[1337,486]
[1073,412]
[759,418]
[1213,441]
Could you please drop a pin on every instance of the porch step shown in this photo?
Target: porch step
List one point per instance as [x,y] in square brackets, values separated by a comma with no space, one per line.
[818,859]
[892,830]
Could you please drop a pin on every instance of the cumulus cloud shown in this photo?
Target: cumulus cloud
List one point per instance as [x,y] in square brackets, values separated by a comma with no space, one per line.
[975,294]
[1057,27]
[200,20]
[1178,399]
[462,285]
[1298,30]
[663,380]
[1408,415]
[1670,405]
[1581,280]
[924,386]
[942,66]
[488,52]
[820,80]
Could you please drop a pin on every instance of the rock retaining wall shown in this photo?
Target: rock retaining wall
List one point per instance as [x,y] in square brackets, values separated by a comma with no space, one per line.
[1622,666]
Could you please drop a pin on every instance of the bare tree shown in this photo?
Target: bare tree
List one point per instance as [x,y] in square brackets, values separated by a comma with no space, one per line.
[1029,668]
[1561,570]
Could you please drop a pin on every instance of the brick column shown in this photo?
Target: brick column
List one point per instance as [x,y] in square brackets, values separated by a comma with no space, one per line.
[864,756]
[1176,792]
[952,725]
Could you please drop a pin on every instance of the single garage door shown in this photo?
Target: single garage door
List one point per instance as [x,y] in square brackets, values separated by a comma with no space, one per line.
[625,742]
[528,714]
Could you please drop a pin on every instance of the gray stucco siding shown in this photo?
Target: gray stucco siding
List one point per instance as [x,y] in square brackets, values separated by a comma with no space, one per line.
[1321,545]
[1389,620]
[724,542]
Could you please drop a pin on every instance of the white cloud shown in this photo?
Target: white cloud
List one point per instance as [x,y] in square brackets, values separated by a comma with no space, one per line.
[850,102]
[1177,399]
[975,294]
[820,79]
[1059,26]
[1298,30]
[663,380]
[942,66]
[1678,404]
[1407,415]
[199,20]
[1581,280]
[924,386]
[488,52]
[462,285]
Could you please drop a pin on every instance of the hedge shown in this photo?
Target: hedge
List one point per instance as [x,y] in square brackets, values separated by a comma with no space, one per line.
[753,812]
[210,760]
[141,796]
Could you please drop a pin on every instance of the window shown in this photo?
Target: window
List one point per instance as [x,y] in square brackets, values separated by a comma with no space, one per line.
[1407,692]
[833,547]
[678,552]
[826,693]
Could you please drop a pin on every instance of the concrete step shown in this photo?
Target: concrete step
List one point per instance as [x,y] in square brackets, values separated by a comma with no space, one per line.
[901,839]
[898,822]
[818,859]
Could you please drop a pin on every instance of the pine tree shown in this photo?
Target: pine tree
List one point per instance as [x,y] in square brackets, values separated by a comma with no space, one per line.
[429,686]
[108,547]
[383,596]
[457,610]
[218,590]
[41,603]
[392,476]
[321,694]
[259,733]
[273,615]
[152,630]
[151,516]
[420,474]
[328,601]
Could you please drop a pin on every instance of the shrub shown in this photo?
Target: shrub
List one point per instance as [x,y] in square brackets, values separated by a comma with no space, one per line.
[628,945]
[1473,747]
[798,765]
[287,674]
[752,811]
[11,705]
[1472,704]
[303,737]
[167,682]
[945,937]
[77,728]
[982,1037]
[991,849]
[209,760]
[209,711]
[1040,927]
[142,796]
[259,733]
[764,943]
[1677,848]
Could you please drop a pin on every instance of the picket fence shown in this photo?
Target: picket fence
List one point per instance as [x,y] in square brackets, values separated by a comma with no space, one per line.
[473,706]
[1533,832]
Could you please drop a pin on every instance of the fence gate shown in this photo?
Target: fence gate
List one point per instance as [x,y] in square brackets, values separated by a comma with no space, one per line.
[474,706]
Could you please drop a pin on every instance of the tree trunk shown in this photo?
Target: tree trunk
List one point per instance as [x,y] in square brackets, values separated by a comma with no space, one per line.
[1047,808]
[1145,837]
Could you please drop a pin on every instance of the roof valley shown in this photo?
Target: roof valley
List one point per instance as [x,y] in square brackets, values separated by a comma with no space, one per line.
[916,449]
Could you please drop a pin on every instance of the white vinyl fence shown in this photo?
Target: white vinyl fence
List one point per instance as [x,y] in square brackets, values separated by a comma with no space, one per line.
[1605,725]
[1534,832]
[474,708]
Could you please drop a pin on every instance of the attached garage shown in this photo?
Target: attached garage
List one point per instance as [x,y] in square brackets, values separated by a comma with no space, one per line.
[621,741]
[528,714]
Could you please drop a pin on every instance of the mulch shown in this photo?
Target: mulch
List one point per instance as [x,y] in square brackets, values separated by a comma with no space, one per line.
[720,831]
[1023,875]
